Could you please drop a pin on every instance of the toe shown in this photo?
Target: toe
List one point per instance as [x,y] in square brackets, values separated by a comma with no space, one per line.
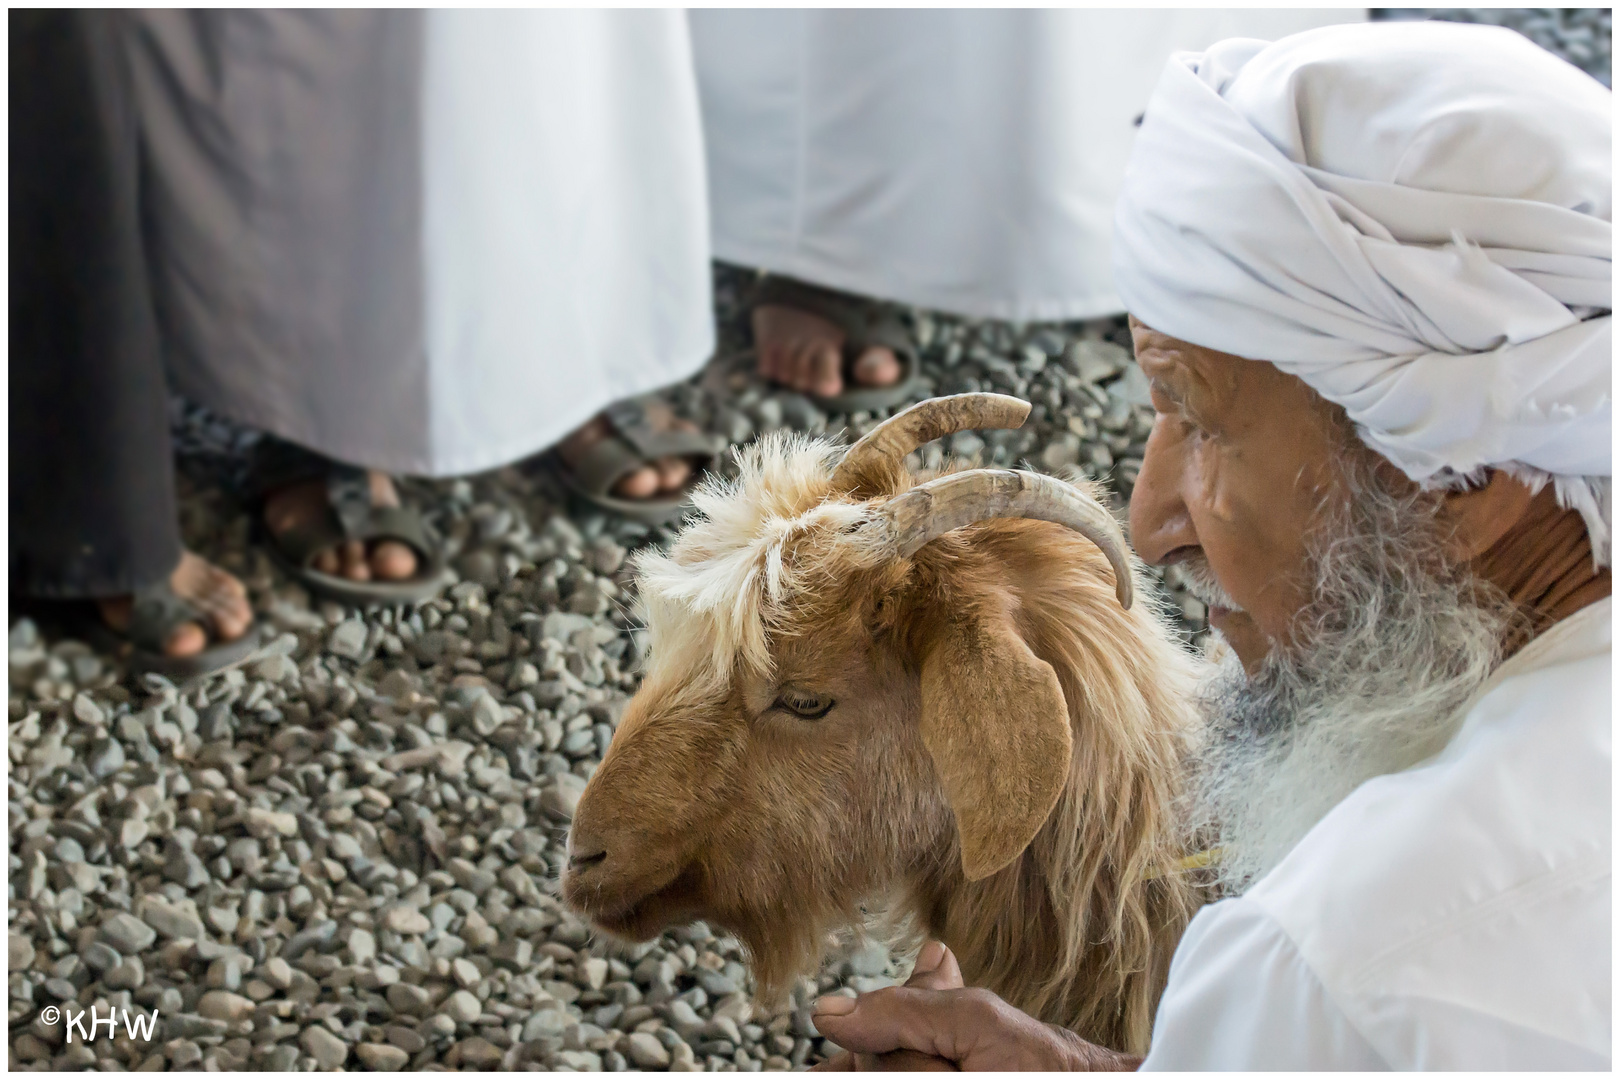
[187,639]
[673,473]
[877,366]
[801,371]
[825,377]
[231,617]
[392,561]
[225,584]
[640,483]
[227,610]
[217,595]
[327,562]
[355,567]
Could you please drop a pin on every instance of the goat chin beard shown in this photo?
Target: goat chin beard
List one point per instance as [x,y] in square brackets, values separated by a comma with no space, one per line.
[1394,642]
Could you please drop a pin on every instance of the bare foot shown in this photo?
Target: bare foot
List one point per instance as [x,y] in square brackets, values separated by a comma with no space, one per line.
[304,503]
[662,477]
[806,352]
[220,597]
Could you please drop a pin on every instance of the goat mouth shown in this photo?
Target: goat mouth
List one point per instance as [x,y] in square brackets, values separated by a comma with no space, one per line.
[664,900]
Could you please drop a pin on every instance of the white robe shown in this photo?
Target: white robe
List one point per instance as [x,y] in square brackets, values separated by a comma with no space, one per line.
[426,242]
[961,160]
[1453,916]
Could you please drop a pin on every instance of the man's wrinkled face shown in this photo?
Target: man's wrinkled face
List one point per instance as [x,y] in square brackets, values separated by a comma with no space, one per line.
[1238,470]
[1343,589]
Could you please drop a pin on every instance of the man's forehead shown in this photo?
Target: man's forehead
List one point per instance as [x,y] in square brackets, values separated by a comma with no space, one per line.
[1182,370]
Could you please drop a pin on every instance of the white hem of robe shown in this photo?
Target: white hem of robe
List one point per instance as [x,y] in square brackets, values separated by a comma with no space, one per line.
[964,161]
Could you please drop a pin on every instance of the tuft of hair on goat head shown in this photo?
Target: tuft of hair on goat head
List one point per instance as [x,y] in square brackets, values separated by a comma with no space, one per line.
[932,697]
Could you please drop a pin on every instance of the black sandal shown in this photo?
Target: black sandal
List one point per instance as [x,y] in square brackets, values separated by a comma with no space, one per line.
[350,515]
[866,324]
[158,610]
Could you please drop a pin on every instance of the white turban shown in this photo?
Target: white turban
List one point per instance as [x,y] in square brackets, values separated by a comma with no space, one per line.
[1414,218]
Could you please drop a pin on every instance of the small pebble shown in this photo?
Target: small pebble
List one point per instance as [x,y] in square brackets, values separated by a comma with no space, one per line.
[646,1052]
[348,639]
[224,1005]
[326,1048]
[462,1007]
[406,920]
[380,1057]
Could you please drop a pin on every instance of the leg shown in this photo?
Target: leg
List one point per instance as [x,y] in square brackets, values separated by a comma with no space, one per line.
[92,488]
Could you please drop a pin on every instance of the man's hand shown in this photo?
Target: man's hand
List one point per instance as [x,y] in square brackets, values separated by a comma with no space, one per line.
[933,1022]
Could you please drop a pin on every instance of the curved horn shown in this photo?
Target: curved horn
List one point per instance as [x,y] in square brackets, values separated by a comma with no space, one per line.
[885,445]
[931,510]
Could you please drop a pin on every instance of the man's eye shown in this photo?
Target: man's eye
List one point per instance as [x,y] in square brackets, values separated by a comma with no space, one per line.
[1191,429]
[805,706]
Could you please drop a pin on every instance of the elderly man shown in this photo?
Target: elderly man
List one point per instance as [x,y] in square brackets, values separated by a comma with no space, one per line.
[1369,272]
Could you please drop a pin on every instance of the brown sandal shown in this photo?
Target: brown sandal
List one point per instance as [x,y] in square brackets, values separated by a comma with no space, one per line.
[865,323]
[631,443]
[350,515]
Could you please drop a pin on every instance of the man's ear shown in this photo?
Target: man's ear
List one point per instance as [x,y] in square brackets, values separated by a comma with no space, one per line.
[1478,518]
[996,724]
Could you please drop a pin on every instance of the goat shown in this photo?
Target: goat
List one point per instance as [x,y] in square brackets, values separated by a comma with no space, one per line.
[867,690]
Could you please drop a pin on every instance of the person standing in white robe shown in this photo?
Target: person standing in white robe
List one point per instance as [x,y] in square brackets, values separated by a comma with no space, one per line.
[1369,271]
[964,161]
[425,242]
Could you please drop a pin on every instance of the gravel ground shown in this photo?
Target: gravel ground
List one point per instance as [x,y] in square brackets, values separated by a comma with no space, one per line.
[346,853]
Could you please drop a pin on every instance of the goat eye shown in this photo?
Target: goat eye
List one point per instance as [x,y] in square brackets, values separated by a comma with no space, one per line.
[805,706]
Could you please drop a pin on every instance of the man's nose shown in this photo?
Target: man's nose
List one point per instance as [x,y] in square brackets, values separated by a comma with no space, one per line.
[1160,521]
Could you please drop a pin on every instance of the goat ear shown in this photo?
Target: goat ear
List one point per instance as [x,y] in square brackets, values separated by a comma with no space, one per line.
[996,724]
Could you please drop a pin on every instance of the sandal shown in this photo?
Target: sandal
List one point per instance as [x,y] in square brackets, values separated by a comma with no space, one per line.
[865,323]
[631,443]
[157,611]
[350,515]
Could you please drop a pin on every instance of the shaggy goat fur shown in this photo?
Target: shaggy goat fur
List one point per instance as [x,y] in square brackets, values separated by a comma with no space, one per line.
[1079,928]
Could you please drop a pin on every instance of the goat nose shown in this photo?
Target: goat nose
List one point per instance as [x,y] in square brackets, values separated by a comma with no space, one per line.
[581,862]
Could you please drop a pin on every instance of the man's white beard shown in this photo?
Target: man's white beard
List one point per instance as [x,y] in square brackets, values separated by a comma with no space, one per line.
[1392,645]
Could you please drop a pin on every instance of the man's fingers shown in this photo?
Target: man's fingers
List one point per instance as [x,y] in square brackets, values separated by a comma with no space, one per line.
[970,1028]
[833,1005]
[929,957]
[900,1018]
[936,969]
